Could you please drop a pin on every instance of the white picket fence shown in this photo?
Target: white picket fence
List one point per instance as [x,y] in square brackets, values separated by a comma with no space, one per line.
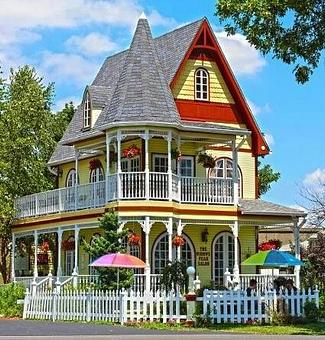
[239,307]
[97,305]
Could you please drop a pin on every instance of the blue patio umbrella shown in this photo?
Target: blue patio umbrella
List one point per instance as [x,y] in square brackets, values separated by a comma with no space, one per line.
[272,258]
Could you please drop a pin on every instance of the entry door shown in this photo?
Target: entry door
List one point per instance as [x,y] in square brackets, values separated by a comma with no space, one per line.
[224,256]
[69,262]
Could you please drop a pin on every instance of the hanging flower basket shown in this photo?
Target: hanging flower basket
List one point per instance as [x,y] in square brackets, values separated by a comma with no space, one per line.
[45,246]
[112,157]
[94,164]
[134,239]
[270,245]
[207,161]
[178,241]
[68,245]
[176,154]
[131,152]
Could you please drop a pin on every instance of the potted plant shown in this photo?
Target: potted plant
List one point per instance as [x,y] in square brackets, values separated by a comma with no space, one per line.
[270,245]
[131,152]
[176,154]
[178,241]
[206,160]
[133,239]
[68,245]
[94,164]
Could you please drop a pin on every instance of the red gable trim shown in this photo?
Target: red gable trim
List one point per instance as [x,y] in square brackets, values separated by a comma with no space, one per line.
[210,44]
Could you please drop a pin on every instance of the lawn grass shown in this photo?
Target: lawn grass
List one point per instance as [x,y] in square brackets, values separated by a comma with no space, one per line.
[317,328]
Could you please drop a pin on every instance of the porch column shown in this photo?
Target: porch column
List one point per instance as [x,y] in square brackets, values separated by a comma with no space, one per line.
[76,248]
[35,254]
[76,161]
[13,251]
[108,142]
[118,180]
[146,163]
[169,228]
[59,268]
[235,231]
[146,229]
[296,232]
[179,192]
[235,172]
[170,174]
[179,233]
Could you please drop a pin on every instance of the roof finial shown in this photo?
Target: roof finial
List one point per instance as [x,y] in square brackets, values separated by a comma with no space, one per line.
[142,16]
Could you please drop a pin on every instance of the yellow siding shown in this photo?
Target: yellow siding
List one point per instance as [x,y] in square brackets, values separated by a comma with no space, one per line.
[184,88]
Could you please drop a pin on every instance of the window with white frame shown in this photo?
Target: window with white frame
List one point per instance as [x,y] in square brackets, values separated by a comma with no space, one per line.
[130,164]
[160,163]
[87,111]
[97,175]
[201,84]
[160,253]
[71,178]
[186,166]
[223,170]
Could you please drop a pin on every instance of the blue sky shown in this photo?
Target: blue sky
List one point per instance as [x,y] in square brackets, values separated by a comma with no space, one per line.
[67,42]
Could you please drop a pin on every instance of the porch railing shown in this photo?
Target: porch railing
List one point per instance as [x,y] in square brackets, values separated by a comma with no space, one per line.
[127,186]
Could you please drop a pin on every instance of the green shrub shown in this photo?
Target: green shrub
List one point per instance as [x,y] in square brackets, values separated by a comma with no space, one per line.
[9,294]
[322,306]
[311,311]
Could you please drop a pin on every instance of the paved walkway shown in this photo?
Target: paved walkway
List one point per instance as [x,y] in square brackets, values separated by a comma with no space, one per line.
[37,330]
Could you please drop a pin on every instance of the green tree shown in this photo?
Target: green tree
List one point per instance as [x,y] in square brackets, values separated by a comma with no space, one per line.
[292,30]
[266,176]
[109,242]
[28,134]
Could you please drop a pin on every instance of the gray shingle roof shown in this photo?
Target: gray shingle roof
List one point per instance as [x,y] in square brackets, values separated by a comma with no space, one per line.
[142,93]
[167,51]
[260,207]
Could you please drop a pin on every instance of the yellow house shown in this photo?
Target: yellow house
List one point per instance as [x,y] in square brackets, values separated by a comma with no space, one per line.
[164,136]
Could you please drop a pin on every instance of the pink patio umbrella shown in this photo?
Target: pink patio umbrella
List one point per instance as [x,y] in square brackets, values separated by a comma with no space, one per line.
[118,260]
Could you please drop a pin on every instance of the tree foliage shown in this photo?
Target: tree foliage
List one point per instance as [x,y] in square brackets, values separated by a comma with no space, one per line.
[109,242]
[292,30]
[266,176]
[28,135]
[174,276]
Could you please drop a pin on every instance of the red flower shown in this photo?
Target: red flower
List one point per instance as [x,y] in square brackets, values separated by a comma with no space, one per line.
[68,245]
[45,246]
[131,152]
[134,239]
[270,245]
[178,241]
[94,164]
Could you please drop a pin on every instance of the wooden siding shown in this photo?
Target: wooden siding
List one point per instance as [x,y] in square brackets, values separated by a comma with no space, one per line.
[184,87]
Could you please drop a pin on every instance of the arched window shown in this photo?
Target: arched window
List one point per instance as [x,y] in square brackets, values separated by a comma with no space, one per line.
[97,175]
[87,111]
[160,253]
[71,178]
[223,170]
[223,249]
[201,84]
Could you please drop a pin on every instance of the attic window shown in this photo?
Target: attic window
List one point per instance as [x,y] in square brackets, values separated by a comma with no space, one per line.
[87,111]
[201,84]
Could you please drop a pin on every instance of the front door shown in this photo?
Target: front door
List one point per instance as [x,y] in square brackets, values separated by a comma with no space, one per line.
[223,256]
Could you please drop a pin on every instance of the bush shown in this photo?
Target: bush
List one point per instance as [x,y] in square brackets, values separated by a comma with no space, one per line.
[9,294]
[311,311]
[283,318]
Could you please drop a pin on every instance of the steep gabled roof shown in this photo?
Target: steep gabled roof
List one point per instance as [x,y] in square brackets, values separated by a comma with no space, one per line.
[142,93]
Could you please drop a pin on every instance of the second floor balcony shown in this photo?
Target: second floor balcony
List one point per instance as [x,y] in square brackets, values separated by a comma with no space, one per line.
[128,186]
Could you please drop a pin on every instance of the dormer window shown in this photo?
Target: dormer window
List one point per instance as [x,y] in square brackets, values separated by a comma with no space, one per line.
[201,84]
[87,111]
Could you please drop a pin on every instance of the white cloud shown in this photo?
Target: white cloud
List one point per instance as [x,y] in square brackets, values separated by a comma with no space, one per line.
[243,58]
[91,44]
[59,105]
[68,67]
[254,108]
[315,178]
[269,139]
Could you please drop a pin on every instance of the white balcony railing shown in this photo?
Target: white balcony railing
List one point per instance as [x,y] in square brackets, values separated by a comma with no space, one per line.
[127,186]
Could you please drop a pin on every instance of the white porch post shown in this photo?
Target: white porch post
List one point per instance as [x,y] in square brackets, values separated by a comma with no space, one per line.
[13,251]
[59,268]
[35,254]
[146,163]
[235,231]
[118,139]
[179,192]
[296,232]
[146,229]
[108,142]
[179,233]
[235,172]
[76,255]
[169,228]
[76,179]
[170,174]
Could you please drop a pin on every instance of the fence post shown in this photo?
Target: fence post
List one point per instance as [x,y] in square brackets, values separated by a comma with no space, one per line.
[50,278]
[26,303]
[54,305]
[88,306]
[34,287]
[316,294]
[122,306]
[227,278]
